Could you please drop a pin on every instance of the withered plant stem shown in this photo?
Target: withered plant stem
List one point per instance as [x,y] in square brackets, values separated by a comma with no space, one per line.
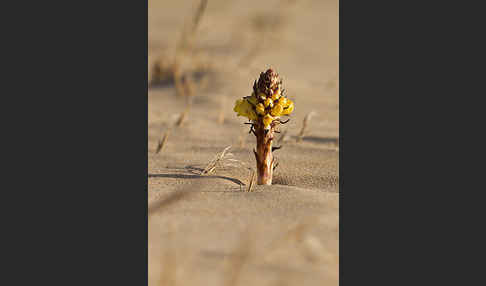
[162,142]
[305,122]
[263,154]
[250,184]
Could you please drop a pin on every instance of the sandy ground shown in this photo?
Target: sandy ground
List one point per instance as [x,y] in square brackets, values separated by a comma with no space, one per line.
[207,230]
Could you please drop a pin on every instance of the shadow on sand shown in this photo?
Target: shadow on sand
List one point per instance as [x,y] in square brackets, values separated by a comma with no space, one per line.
[186,176]
[322,140]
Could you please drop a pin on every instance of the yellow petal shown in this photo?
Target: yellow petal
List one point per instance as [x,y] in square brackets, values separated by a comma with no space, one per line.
[242,107]
[267,120]
[252,115]
[289,109]
[247,107]
[237,105]
[260,109]
[282,101]
[268,102]
[277,110]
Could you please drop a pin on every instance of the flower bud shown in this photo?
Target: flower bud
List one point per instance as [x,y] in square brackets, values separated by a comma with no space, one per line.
[282,101]
[267,120]
[260,109]
[289,108]
[268,102]
[277,110]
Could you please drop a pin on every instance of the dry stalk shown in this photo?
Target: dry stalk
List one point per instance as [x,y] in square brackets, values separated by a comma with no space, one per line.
[162,142]
[189,32]
[184,50]
[304,125]
[188,85]
[171,69]
[250,184]
[178,79]
[213,164]
[182,117]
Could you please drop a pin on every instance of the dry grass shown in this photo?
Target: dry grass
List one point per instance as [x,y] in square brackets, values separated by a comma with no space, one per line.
[250,182]
[173,70]
[182,118]
[305,123]
[161,143]
[186,41]
[217,161]
[183,79]
[223,160]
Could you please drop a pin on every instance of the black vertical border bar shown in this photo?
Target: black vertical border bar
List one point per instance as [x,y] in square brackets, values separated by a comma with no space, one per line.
[144,171]
[79,76]
[341,145]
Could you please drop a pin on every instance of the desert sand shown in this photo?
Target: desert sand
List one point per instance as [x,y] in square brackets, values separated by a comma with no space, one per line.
[207,229]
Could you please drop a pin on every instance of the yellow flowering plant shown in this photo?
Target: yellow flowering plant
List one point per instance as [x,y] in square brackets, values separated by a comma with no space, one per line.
[264,108]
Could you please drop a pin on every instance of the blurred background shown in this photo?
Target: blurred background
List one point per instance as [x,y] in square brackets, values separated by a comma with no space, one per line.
[206,229]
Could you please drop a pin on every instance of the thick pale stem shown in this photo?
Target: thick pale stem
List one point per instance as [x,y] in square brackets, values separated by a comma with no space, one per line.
[263,155]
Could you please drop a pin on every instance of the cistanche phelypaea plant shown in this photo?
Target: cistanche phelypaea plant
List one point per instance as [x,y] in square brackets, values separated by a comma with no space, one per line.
[264,108]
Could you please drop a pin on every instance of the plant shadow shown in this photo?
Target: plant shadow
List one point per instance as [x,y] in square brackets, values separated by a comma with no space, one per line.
[322,140]
[194,176]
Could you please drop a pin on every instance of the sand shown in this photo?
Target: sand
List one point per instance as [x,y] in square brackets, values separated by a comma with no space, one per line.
[213,232]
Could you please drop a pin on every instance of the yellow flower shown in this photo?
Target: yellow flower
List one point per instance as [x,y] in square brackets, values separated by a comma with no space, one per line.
[260,109]
[238,105]
[289,109]
[267,120]
[252,115]
[268,102]
[242,107]
[277,110]
[282,101]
